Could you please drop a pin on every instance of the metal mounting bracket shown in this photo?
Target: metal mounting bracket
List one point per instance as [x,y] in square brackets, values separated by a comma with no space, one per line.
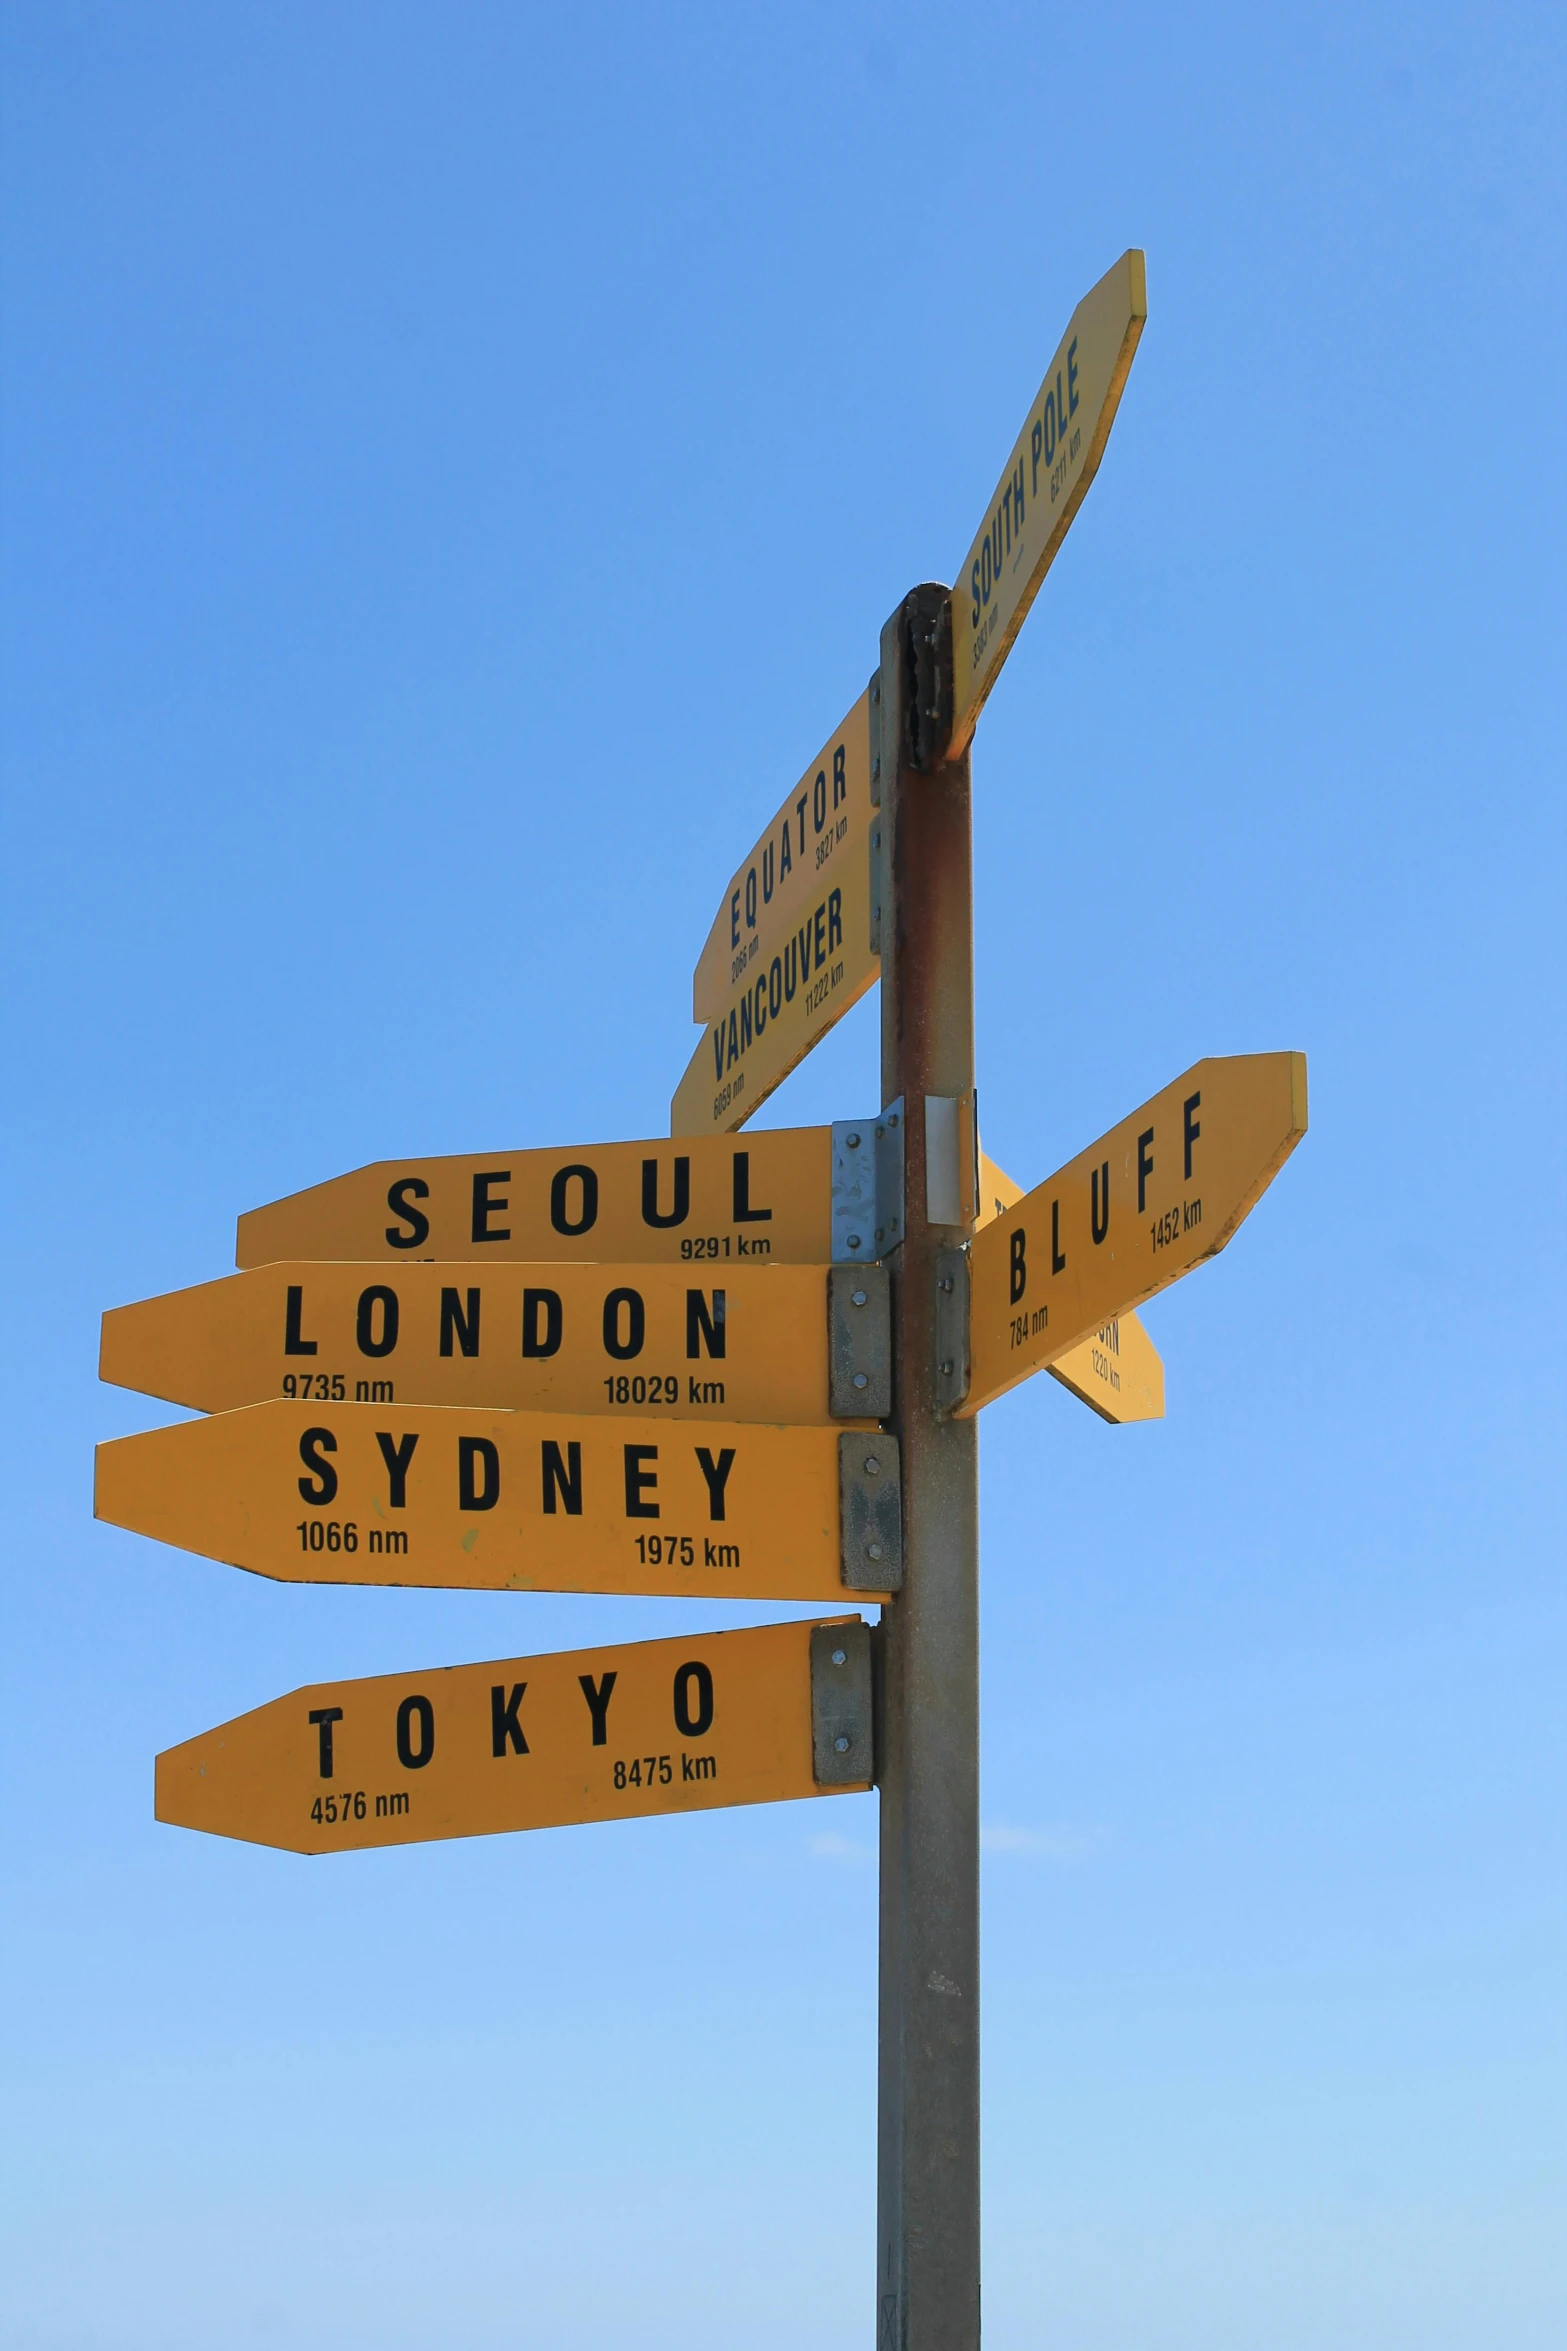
[878,860]
[952,1328]
[843,1753]
[867,1186]
[870,1511]
[859,1342]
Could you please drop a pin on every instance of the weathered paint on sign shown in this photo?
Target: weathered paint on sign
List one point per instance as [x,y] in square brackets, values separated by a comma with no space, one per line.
[1163,1190]
[746,1343]
[489,1501]
[828,814]
[1054,459]
[705,1201]
[608,1733]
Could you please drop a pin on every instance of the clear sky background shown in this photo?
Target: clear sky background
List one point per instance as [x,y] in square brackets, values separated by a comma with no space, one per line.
[457,462]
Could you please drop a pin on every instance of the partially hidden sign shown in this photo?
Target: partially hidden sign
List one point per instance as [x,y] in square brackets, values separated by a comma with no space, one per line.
[790,951]
[1053,460]
[706,1201]
[1131,1214]
[521,1501]
[749,1342]
[1117,1370]
[608,1733]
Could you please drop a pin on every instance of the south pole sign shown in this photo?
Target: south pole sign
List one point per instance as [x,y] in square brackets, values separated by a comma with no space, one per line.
[706,1366]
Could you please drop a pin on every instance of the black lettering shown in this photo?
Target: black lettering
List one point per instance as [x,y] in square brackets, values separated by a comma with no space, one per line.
[693,1722]
[744,1212]
[314,1445]
[1019,1263]
[640,1481]
[463,1328]
[484,1207]
[750,900]
[700,1325]
[734,920]
[1144,1167]
[1191,1128]
[819,801]
[476,1454]
[364,1322]
[590,1200]
[323,1717]
[541,1322]
[405,1189]
[1057,1254]
[682,1207]
[624,1350]
[562,1479]
[834,919]
[411,1711]
[293,1316]
[505,1729]
[717,1476]
[397,1457]
[1099,1201]
[598,1695]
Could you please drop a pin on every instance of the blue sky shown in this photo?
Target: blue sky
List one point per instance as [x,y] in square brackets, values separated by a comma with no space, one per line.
[456,464]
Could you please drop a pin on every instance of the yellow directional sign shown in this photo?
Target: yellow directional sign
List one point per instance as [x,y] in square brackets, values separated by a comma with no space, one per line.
[753,1717]
[825,819]
[746,1343]
[1130,1215]
[699,1202]
[520,1501]
[1116,1371]
[792,946]
[1047,475]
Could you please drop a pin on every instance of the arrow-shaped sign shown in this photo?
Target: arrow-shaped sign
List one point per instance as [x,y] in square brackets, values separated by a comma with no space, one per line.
[1053,460]
[519,1501]
[749,1343]
[703,1201]
[752,1717]
[793,945]
[1162,1191]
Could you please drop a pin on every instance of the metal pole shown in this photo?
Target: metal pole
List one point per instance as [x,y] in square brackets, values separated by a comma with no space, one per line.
[928,2154]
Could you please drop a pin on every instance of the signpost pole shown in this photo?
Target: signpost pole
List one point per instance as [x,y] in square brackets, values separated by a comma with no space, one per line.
[928,2153]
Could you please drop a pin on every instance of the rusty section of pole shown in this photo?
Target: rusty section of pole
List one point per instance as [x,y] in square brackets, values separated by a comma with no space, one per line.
[928,2152]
